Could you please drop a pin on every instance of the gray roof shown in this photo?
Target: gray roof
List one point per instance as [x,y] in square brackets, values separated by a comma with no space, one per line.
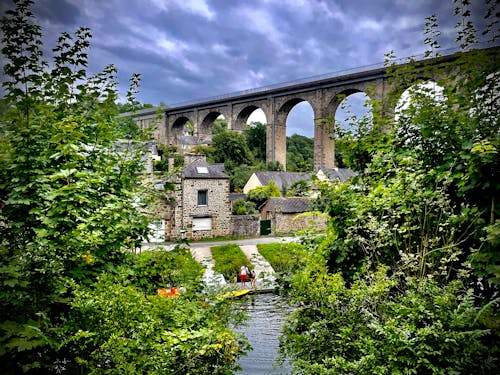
[213,171]
[287,205]
[341,174]
[282,179]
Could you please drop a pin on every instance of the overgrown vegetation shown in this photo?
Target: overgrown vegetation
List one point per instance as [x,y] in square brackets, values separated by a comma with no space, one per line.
[286,259]
[73,297]
[228,260]
[406,280]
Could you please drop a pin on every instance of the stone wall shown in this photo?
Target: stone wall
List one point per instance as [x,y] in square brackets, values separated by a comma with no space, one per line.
[245,225]
[289,223]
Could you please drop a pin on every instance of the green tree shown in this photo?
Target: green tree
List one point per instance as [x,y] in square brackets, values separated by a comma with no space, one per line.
[230,145]
[407,275]
[299,153]
[243,207]
[262,193]
[71,209]
[255,134]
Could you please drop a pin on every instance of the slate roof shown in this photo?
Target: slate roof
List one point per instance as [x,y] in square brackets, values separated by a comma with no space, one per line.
[214,171]
[341,174]
[289,205]
[282,179]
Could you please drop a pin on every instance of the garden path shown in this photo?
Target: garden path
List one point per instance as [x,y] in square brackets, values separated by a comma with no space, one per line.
[211,278]
[264,272]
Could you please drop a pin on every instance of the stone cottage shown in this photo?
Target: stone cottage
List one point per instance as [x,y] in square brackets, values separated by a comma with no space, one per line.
[288,215]
[200,207]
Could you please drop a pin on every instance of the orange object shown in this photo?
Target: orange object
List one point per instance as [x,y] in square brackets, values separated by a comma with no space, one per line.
[168,292]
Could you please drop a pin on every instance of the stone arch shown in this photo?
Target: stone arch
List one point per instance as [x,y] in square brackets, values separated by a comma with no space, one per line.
[287,106]
[419,83]
[179,125]
[206,124]
[243,115]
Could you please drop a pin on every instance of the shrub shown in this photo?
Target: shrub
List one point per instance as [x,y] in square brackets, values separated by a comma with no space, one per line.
[243,207]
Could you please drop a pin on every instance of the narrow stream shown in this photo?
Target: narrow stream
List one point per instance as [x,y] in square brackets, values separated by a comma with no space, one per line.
[267,315]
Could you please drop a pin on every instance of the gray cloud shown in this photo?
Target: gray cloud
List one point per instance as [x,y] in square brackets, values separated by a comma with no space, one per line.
[188,49]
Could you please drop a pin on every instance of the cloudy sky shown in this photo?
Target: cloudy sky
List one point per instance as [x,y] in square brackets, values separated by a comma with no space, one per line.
[189,49]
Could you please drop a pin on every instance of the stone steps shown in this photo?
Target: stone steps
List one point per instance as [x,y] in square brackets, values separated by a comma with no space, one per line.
[265,278]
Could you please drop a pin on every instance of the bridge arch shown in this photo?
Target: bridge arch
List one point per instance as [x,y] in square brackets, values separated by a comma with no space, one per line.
[205,126]
[179,126]
[243,115]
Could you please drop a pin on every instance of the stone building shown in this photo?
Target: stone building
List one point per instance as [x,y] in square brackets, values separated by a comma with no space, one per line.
[200,207]
[288,215]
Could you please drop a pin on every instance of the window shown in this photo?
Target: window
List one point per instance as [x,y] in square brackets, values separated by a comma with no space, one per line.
[202,197]
[202,223]
[202,170]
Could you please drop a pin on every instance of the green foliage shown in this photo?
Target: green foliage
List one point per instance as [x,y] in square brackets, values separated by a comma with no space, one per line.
[299,153]
[161,268]
[228,260]
[262,193]
[243,207]
[285,258]
[373,326]
[255,134]
[239,176]
[300,188]
[406,278]
[229,145]
[116,329]
[71,298]
[167,152]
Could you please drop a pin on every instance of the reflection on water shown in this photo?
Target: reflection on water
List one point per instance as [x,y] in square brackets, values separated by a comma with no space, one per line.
[267,314]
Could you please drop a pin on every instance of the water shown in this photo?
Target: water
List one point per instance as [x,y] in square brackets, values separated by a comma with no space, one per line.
[267,315]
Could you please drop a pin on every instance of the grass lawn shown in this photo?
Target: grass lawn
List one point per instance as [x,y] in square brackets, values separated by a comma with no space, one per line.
[285,258]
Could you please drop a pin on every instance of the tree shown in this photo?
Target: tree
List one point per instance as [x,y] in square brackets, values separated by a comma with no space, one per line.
[229,145]
[72,208]
[407,275]
[255,134]
[262,193]
[299,153]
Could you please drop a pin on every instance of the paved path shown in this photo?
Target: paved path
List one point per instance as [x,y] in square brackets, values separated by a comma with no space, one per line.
[211,278]
[264,272]
[246,241]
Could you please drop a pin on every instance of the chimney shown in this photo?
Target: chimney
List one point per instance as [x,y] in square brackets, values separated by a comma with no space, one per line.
[191,158]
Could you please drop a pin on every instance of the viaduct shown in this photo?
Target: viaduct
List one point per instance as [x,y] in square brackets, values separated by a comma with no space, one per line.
[276,101]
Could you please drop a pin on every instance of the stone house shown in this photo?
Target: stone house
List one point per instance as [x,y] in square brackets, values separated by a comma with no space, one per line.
[282,179]
[288,215]
[200,207]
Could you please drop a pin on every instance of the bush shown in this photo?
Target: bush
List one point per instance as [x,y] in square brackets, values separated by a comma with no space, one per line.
[116,329]
[158,269]
[387,325]
[228,260]
[243,207]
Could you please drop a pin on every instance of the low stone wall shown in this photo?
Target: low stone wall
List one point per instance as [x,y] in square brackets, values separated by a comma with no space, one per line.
[245,225]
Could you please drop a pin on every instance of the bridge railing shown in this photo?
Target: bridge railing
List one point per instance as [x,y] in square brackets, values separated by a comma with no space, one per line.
[310,79]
